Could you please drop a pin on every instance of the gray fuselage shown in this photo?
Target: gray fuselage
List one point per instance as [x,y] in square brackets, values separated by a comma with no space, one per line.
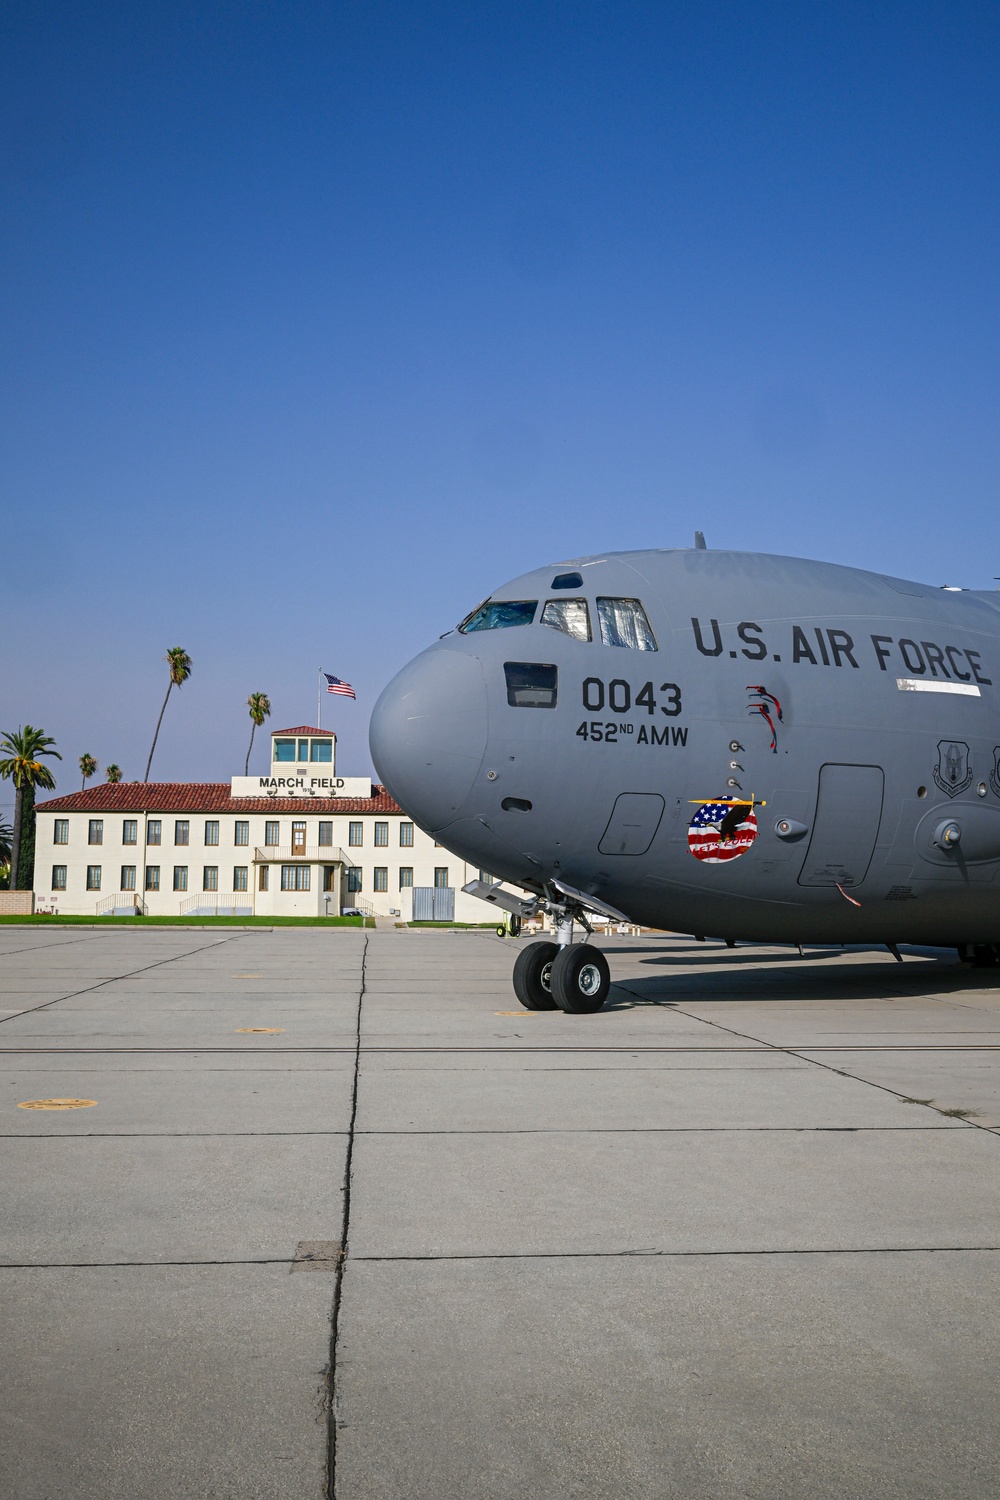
[868,811]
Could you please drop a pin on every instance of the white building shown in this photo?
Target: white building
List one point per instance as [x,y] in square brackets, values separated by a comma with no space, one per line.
[301,841]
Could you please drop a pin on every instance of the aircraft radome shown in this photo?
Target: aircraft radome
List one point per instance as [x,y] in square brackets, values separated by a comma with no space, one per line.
[724,743]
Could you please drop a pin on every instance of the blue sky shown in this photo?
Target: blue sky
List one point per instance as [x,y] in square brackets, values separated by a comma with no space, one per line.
[320,321]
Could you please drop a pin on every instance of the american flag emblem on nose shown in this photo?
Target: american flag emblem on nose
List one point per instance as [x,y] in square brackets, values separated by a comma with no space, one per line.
[722,830]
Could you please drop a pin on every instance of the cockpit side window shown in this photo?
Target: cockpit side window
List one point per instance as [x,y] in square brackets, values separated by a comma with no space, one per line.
[498,614]
[569,615]
[624,623]
[531,684]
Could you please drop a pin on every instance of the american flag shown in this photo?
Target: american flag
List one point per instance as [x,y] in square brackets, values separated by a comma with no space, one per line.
[722,830]
[334,685]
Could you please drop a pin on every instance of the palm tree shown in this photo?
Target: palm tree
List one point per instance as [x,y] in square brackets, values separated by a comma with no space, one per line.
[179,665]
[259,705]
[22,766]
[6,834]
[113,773]
[88,768]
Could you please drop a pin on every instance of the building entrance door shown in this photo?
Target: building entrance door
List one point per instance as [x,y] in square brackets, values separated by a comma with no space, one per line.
[298,838]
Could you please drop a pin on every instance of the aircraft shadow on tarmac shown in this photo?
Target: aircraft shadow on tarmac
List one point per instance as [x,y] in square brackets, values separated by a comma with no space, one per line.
[725,976]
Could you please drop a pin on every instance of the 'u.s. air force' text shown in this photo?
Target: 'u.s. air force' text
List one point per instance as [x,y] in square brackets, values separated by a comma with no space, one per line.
[820,646]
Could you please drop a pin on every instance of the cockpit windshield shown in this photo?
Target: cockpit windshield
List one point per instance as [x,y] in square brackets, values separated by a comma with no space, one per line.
[624,623]
[569,615]
[499,614]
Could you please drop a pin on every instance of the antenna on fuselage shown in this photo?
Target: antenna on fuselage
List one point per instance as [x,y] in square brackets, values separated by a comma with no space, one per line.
[699,542]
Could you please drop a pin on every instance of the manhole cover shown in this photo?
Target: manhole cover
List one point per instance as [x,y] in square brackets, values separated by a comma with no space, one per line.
[267,1030]
[57,1104]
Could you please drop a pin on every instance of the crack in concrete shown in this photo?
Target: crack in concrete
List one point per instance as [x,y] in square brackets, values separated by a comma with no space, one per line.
[330,1487]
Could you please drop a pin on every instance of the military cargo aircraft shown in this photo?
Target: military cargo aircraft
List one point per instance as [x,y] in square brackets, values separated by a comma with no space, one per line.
[733,744]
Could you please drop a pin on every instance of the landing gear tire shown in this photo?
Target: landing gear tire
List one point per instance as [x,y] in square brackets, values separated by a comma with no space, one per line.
[532,968]
[580,979]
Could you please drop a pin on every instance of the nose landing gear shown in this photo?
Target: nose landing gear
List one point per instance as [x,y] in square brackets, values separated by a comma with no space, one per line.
[574,978]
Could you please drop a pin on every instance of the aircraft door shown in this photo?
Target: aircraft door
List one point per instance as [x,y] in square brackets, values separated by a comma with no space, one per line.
[632,826]
[848,813]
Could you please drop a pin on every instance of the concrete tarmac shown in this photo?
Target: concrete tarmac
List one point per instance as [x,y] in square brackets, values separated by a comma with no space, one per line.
[734,1236]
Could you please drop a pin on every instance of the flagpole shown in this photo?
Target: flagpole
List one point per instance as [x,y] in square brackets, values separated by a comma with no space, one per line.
[319,698]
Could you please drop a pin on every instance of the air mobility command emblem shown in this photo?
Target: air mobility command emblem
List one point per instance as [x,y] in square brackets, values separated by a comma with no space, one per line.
[953,772]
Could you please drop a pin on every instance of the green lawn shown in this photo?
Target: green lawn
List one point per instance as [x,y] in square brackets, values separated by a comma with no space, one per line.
[47,921]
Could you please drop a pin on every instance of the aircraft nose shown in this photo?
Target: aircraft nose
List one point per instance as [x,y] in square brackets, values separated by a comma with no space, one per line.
[428,734]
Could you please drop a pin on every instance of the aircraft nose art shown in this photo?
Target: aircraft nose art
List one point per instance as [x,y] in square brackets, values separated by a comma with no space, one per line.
[428,734]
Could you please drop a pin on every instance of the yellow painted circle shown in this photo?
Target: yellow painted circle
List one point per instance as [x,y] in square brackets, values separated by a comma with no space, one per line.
[270,1030]
[57,1104]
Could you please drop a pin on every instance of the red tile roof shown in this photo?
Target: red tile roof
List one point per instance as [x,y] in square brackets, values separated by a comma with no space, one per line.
[305,729]
[209,797]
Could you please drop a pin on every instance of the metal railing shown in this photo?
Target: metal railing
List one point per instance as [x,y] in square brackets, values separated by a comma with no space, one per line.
[326,854]
[218,904]
[121,901]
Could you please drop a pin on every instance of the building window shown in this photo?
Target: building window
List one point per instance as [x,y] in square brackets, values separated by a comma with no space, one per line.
[284,749]
[210,878]
[212,831]
[321,750]
[354,879]
[95,831]
[355,835]
[128,878]
[93,877]
[240,873]
[154,830]
[180,877]
[263,877]
[295,877]
[58,877]
[406,835]
[326,835]
[441,877]
[152,877]
[130,834]
[242,835]
[405,877]
[381,835]
[60,831]
[182,831]
[381,878]
[488,879]
[271,834]
[303,749]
